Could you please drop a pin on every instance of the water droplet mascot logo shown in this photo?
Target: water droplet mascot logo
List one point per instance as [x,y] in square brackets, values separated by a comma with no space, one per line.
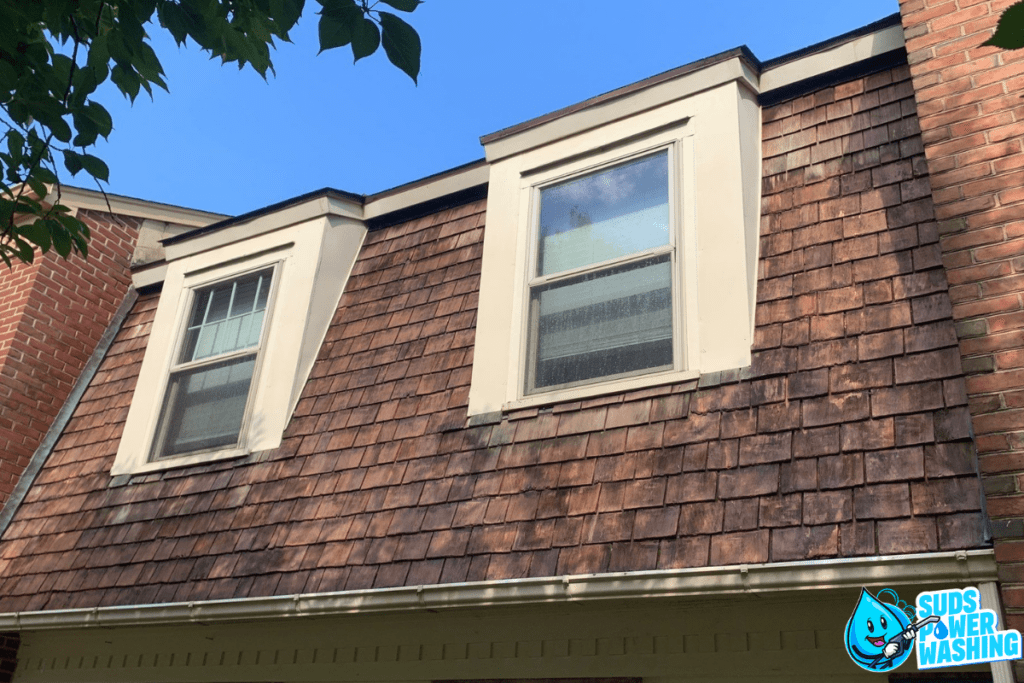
[879,635]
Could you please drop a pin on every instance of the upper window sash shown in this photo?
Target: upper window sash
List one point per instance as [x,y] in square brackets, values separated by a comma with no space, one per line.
[194,349]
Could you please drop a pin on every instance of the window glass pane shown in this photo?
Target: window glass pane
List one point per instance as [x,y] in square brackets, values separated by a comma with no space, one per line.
[204,407]
[610,322]
[226,317]
[604,215]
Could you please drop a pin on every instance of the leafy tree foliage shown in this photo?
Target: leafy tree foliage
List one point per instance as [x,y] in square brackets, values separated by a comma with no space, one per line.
[1009,33]
[54,54]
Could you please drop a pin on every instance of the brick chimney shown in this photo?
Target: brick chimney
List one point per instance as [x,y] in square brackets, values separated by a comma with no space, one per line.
[969,100]
[52,314]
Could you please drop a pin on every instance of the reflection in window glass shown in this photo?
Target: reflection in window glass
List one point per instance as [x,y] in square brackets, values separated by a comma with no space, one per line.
[204,407]
[615,319]
[226,317]
[610,322]
[604,215]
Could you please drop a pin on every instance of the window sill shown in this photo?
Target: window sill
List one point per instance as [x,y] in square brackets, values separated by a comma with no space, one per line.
[602,388]
[198,458]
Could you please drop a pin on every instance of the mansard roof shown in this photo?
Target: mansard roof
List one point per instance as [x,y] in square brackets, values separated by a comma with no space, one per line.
[848,435]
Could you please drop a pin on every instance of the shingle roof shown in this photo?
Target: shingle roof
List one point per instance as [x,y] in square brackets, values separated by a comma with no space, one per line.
[849,435]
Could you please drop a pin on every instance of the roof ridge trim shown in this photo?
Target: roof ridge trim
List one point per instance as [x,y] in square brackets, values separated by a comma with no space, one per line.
[957,567]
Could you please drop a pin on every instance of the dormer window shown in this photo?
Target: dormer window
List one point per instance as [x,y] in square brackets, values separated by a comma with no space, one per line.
[601,292]
[209,386]
[621,244]
[225,365]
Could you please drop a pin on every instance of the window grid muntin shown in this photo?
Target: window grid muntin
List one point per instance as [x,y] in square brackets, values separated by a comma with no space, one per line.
[528,346]
[159,430]
[264,275]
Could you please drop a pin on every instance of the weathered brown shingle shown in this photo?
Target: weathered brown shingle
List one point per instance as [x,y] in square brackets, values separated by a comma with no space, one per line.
[820,449]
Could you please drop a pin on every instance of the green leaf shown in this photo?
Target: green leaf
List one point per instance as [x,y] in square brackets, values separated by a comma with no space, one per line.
[126,81]
[25,250]
[1009,33]
[37,233]
[61,238]
[333,32]
[402,44]
[72,162]
[8,76]
[403,5]
[94,166]
[286,13]
[365,38]
[38,186]
[337,19]
[45,175]
[101,117]
[175,20]
[16,144]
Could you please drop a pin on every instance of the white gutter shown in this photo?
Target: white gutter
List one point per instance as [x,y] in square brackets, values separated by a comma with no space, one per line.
[958,568]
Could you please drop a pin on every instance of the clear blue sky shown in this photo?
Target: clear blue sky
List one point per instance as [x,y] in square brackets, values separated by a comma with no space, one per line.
[226,141]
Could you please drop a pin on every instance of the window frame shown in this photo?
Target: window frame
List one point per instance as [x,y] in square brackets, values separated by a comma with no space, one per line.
[678,140]
[315,245]
[672,248]
[191,290]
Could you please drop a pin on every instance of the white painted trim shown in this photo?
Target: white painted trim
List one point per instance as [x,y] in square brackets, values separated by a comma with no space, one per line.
[625,106]
[958,567]
[265,223]
[1002,671]
[150,275]
[846,54]
[719,223]
[90,200]
[313,261]
[425,191]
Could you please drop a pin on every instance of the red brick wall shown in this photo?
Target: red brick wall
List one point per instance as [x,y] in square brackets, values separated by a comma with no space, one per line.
[52,314]
[8,655]
[970,106]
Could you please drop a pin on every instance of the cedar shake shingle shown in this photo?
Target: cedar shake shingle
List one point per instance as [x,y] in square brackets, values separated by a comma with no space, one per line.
[820,449]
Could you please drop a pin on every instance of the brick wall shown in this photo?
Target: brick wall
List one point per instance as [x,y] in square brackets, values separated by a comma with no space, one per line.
[8,655]
[970,107]
[52,314]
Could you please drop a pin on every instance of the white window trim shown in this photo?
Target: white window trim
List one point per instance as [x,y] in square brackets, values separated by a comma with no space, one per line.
[716,133]
[191,286]
[312,261]
[682,241]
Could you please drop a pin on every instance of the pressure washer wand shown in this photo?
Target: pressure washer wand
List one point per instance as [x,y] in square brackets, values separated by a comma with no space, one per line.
[902,643]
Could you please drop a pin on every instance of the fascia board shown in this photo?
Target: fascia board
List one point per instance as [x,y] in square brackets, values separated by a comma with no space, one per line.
[856,50]
[718,74]
[428,191]
[292,215]
[129,206]
[957,567]
[151,274]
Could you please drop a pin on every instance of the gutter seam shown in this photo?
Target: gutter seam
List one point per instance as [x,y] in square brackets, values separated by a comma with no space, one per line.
[42,453]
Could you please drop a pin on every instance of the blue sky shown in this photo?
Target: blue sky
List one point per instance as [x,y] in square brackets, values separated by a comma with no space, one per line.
[226,141]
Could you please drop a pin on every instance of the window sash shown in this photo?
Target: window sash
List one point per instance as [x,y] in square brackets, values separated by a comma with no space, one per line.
[617,322]
[192,336]
[208,415]
[534,283]
[161,447]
